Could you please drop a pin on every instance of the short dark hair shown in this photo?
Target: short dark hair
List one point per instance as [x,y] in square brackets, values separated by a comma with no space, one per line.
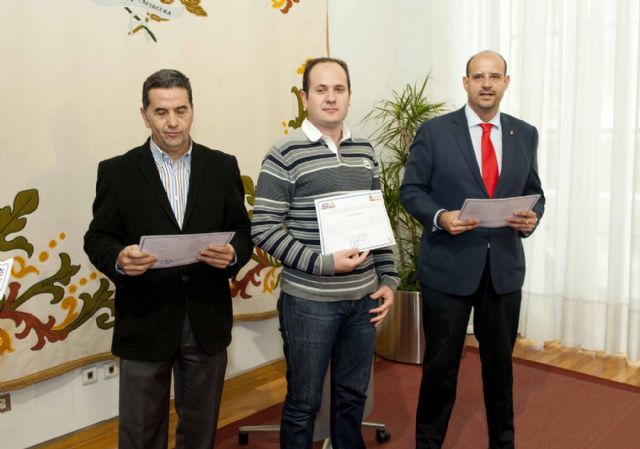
[488,51]
[165,79]
[311,63]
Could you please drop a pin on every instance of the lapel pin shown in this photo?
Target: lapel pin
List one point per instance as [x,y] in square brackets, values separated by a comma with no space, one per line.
[511,132]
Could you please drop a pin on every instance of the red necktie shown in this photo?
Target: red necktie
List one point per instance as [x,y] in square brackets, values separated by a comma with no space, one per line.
[489,161]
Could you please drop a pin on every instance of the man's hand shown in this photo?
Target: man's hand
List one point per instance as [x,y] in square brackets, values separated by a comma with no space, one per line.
[450,222]
[218,256]
[133,261]
[345,260]
[524,221]
[381,311]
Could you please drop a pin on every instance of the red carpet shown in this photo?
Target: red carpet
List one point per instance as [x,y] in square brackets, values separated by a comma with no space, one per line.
[555,409]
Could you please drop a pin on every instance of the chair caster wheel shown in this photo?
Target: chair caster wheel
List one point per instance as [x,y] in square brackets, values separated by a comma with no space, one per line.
[382,436]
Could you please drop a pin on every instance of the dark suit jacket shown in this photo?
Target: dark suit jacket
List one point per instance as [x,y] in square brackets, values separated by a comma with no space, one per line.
[442,171]
[131,202]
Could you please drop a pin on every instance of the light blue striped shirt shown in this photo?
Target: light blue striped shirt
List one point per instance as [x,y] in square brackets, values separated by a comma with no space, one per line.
[175,178]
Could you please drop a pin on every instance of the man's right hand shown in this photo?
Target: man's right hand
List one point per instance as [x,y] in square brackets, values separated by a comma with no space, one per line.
[450,222]
[135,262]
[346,260]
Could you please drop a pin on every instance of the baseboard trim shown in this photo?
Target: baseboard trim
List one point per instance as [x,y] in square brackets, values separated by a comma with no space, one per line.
[237,389]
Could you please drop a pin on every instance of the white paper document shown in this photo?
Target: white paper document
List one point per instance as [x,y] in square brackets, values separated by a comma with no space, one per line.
[181,249]
[493,213]
[354,220]
[5,275]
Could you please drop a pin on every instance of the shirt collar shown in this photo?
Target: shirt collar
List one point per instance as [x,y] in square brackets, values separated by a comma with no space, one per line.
[474,120]
[314,134]
[161,156]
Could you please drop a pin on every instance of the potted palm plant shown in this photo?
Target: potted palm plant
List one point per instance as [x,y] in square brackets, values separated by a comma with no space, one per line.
[400,335]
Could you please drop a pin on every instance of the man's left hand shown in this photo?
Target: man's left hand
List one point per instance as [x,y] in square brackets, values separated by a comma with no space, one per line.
[386,295]
[524,221]
[218,256]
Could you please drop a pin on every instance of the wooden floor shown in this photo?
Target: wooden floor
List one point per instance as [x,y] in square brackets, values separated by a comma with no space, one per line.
[246,394]
[579,360]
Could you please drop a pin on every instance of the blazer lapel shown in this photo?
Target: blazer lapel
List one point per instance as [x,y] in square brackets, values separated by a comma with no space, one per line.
[463,138]
[148,168]
[195,180]
[508,138]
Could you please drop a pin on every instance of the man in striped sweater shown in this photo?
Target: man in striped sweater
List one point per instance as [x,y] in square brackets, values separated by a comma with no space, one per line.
[330,303]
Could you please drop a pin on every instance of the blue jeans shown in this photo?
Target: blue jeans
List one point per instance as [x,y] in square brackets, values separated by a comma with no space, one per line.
[315,333]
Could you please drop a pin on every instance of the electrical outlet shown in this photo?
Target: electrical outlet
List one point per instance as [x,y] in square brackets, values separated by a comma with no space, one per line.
[5,402]
[111,369]
[89,375]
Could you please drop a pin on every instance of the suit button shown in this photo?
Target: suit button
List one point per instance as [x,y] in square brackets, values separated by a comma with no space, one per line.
[185,278]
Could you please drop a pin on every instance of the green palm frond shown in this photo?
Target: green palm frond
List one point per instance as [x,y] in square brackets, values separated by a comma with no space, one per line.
[397,120]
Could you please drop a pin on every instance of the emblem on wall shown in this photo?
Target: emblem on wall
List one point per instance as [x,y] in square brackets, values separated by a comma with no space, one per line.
[144,13]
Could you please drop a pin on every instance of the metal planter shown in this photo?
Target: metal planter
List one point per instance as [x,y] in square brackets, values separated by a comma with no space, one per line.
[400,336]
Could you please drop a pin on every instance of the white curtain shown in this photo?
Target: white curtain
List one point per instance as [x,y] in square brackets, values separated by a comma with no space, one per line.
[574,68]
[584,266]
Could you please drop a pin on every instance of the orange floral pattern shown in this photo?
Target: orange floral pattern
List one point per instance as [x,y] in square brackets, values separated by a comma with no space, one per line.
[29,286]
[283,5]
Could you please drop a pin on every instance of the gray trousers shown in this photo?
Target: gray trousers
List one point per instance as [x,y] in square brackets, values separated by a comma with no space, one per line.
[145,392]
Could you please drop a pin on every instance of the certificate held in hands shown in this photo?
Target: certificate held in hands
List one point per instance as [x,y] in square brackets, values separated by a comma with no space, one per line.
[353,220]
[494,213]
[181,249]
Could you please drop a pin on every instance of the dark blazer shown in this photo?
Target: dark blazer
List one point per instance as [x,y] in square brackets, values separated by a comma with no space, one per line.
[131,202]
[442,171]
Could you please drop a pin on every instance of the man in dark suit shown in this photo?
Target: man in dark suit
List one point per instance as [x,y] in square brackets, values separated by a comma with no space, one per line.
[169,319]
[475,152]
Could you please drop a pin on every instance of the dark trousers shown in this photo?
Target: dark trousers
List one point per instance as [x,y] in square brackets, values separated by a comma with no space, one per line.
[495,323]
[144,398]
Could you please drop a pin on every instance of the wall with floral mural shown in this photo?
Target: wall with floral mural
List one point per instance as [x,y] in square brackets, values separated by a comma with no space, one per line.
[74,75]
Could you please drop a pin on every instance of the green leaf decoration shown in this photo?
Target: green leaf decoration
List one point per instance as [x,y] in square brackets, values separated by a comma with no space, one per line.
[249,186]
[51,285]
[13,221]
[302,114]
[250,192]
[91,304]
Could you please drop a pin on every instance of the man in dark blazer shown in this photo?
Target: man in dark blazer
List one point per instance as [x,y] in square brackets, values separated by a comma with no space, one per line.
[174,319]
[474,152]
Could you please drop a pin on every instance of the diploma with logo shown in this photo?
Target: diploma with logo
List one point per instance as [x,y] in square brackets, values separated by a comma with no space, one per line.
[354,220]
[494,213]
[181,249]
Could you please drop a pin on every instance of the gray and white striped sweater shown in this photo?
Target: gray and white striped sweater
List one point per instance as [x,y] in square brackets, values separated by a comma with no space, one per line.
[295,172]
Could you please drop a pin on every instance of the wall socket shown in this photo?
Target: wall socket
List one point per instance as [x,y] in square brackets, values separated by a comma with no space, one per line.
[5,402]
[111,369]
[89,375]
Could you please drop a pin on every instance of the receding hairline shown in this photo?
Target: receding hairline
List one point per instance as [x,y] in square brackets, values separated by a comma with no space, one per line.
[484,53]
[325,63]
[312,63]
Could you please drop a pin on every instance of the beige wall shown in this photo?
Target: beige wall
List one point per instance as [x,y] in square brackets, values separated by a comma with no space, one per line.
[70,87]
